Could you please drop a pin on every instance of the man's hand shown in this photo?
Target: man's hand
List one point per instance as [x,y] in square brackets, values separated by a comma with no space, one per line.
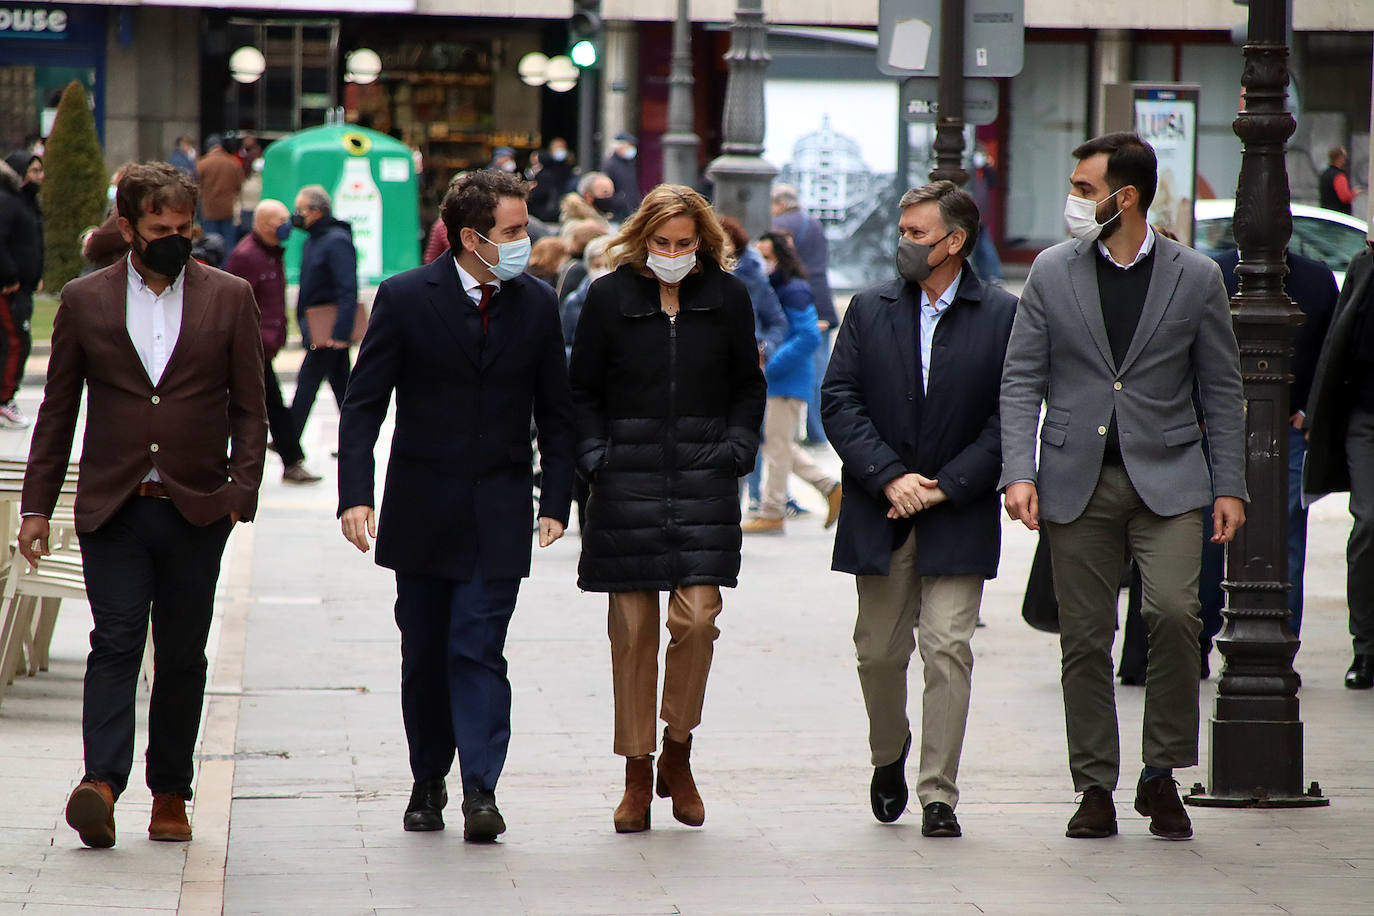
[931,492]
[358,524]
[1023,504]
[33,538]
[904,493]
[550,530]
[6,290]
[1296,420]
[1228,514]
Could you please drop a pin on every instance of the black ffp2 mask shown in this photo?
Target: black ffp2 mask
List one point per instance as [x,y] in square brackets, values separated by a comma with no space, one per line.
[167,255]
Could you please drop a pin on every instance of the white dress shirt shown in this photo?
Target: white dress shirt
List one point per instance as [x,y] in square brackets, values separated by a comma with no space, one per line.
[1146,247]
[154,324]
[930,317]
[473,286]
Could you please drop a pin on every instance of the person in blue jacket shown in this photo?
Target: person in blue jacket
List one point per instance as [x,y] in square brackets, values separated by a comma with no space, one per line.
[790,374]
[329,276]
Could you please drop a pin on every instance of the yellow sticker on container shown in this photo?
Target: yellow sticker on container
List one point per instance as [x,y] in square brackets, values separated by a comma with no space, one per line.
[357,143]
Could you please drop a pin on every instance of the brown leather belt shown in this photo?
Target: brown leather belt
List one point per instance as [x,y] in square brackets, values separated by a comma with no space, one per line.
[152,488]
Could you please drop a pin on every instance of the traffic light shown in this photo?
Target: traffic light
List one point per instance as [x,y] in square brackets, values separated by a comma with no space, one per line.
[584,33]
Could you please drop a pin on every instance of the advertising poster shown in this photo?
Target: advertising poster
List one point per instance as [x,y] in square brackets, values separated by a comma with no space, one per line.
[1167,119]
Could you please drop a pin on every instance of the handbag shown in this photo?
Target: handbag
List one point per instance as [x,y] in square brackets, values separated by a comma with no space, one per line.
[319,320]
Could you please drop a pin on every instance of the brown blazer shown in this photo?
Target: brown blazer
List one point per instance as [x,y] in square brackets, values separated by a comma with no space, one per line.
[209,397]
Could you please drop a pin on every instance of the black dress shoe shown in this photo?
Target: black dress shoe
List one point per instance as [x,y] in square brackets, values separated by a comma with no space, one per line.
[1361,673]
[426,808]
[937,819]
[887,792]
[482,821]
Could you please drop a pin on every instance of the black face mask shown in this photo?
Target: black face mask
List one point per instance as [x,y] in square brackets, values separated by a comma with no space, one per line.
[298,220]
[167,255]
[604,204]
[913,259]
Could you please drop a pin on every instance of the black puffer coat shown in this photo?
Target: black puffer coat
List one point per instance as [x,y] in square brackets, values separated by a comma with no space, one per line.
[668,415]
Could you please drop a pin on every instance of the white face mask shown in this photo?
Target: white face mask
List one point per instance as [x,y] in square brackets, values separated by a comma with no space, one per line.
[629,152]
[979,160]
[512,257]
[671,268]
[1080,215]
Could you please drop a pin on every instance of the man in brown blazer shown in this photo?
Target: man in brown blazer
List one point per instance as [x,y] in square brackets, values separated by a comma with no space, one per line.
[169,352]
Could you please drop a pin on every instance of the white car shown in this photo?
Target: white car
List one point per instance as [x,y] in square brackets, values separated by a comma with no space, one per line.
[1330,237]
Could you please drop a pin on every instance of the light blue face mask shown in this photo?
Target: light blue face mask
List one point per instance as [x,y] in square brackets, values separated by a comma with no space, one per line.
[512,257]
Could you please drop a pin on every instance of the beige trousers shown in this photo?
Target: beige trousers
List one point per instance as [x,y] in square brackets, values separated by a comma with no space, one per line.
[898,613]
[783,456]
[633,628]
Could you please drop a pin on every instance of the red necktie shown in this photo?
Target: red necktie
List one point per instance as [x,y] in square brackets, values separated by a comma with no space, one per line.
[484,306]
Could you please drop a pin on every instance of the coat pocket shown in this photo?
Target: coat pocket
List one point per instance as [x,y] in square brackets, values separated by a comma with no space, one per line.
[1053,435]
[1182,435]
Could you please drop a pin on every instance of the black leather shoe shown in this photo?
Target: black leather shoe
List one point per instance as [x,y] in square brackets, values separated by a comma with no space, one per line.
[482,821]
[1095,817]
[1361,673]
[887,792]
[937,819]
[426,808]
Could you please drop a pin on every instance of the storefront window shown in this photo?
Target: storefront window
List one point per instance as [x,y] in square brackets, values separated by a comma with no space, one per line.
[43,48]
[297,90]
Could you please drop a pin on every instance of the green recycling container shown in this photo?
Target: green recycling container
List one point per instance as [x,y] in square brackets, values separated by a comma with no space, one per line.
[371,179]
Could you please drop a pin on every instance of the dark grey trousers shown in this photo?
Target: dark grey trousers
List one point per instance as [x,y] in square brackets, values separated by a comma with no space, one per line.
[1359,551]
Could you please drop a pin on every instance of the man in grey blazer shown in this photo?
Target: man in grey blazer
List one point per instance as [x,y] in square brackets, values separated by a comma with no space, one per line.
[1115,329]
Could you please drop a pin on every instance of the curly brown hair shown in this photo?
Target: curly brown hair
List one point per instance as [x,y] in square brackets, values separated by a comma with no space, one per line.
[665,202]
[147,187]
[470,202]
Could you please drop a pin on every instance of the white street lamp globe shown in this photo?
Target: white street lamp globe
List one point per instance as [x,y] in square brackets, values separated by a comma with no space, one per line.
[562,73]
[247,65]
[533,69]
[362,66]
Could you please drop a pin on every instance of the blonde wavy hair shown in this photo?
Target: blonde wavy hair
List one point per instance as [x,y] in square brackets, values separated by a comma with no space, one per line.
[665,202]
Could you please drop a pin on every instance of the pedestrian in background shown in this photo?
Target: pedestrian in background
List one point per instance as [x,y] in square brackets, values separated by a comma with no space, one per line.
[221,178]
[183,157]
[329,277]
[472,350]
[669,397]
[548,256]
[788,372]
[1334,189]
[21,274]
[1114,329]
[808,237]
[169,354]
[1340,448]
[552,180]
[258,259]
[620,167]
[911,406]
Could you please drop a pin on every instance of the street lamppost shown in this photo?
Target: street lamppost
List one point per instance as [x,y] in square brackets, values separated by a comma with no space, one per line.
[949,129]
[741,175]
[1256,746]
[680,142]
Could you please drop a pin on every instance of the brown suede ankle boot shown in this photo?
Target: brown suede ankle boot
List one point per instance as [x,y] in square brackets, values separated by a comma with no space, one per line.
[632,814]
[168,822]
[675,779]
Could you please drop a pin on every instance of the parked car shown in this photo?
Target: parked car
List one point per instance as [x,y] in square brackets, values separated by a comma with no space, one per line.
[1330,237]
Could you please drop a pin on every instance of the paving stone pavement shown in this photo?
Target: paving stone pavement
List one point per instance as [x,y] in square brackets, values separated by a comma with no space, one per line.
[303,775]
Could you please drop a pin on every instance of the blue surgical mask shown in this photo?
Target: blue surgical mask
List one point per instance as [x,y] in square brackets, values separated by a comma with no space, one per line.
[283,232]
[512,257]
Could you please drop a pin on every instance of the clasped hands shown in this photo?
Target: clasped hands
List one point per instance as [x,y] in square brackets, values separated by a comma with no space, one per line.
[911,493]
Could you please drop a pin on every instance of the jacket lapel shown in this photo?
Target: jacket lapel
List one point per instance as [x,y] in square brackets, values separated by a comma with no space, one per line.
[901,311]
[1083,278]
[196,290]
[446,296]
[115,306]
[504,317]
[1164,278]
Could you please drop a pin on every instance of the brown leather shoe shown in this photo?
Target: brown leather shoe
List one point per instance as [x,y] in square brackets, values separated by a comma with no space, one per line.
[1095,817]
[90,812]
[1158,800]
[169,818]
[675,779]
[762,526]
[832,513]
[632,814]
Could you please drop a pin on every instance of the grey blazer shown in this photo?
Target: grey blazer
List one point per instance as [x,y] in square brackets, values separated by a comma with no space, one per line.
[1059,355]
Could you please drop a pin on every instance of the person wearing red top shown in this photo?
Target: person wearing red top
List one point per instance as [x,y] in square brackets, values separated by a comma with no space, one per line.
[258,259]
[1336,191]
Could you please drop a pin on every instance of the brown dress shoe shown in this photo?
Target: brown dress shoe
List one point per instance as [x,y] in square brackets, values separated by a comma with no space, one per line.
[1095,817]
[90,812]
[762,526]
[675,779]
[632,814]
[1158,800]
[169,818]
[832,513]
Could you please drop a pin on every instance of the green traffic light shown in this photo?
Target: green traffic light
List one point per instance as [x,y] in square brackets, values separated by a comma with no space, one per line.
[583,53]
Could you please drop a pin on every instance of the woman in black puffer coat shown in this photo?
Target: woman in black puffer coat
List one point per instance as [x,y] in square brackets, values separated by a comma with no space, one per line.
[669,398]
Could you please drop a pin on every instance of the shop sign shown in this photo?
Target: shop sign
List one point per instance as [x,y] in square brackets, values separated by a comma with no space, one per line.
[28,22]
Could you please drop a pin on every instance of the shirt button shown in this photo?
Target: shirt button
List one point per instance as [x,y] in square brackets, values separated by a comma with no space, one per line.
[1102,430]
[153,447]
[1117,386]
[155,399]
